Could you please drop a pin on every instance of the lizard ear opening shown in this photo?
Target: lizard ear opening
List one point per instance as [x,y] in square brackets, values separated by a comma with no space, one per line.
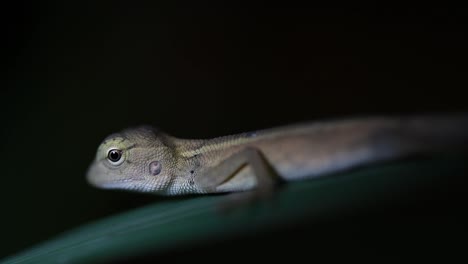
[155,168]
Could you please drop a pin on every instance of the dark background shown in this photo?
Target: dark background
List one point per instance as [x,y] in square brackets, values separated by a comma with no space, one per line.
[76,73]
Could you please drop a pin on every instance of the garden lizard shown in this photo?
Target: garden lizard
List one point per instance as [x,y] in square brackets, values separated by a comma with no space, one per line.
[146,159]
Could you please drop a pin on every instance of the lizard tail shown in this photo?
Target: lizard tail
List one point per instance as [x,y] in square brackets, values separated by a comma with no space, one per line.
[342,145]
[422,134]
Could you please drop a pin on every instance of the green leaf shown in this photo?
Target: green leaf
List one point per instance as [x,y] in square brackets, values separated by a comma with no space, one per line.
[187,221]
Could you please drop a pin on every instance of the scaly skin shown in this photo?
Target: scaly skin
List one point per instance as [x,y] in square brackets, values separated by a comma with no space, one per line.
[152,161]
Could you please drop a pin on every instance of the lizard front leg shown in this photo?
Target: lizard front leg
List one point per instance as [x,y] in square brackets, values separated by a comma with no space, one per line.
[266,177]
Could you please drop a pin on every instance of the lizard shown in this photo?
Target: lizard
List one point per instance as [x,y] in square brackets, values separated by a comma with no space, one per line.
[146,159]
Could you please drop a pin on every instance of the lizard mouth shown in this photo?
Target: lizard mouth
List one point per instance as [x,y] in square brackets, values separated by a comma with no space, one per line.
[98,176]
[120,183]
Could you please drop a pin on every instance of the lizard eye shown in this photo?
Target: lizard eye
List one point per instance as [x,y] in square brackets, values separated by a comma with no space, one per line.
[115,156]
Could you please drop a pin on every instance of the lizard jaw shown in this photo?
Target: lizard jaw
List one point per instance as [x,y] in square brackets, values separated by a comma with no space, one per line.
[123,184]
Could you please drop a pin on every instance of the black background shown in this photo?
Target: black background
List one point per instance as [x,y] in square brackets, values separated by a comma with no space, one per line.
[77,72]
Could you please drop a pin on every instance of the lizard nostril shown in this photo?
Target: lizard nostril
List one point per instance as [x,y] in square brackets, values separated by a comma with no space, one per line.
[155,167]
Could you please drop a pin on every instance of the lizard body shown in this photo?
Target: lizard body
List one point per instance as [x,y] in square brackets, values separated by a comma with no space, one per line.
[145,159]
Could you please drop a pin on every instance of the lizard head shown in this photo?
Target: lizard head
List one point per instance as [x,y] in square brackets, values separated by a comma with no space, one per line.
[136,159]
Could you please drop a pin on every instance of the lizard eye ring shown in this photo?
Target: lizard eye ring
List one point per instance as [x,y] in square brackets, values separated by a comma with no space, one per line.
[115,156]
